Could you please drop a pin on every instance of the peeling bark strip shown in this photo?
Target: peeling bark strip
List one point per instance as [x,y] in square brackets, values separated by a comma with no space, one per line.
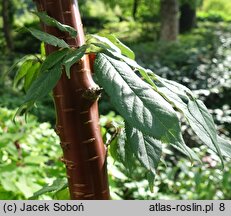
[77,115]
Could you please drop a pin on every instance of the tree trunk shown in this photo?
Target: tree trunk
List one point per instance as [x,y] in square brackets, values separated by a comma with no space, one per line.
[134,9]
[77,115]
[7,24]
[169,10]
[187,17]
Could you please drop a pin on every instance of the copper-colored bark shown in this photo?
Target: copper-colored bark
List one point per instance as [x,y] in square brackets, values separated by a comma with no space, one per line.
[77,115]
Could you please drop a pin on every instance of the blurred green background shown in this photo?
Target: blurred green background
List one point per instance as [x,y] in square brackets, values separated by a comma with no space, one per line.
[200,58]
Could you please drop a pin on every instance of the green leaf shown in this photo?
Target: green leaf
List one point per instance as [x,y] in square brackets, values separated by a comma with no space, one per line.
[23,184]
[114,149]
[118,51]
[7,138]
[57,185]
[21,60]
[195,112]
[133,64]
[73,57]
[102,42]
[182,91]
[23,109]
[43,50]
[91,48]
[147,149]
[123,48]
[44,84]
[151,178]
[22,71]
[137,146]
[48,38]
[31,75]
[125,153]
[52,59]
[53,22]
[8,185]
[39,159]
[121,151]
[145,76]
[225,146]
[207,131]
[63,194]
[136,101]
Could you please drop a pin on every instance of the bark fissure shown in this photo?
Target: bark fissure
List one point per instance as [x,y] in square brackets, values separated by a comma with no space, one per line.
[77,115]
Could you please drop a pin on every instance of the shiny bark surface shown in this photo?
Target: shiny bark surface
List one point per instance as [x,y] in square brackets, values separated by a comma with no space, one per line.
[77,111]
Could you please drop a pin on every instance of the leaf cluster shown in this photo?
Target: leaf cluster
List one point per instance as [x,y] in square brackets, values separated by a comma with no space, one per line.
[149,104]
[150,108]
